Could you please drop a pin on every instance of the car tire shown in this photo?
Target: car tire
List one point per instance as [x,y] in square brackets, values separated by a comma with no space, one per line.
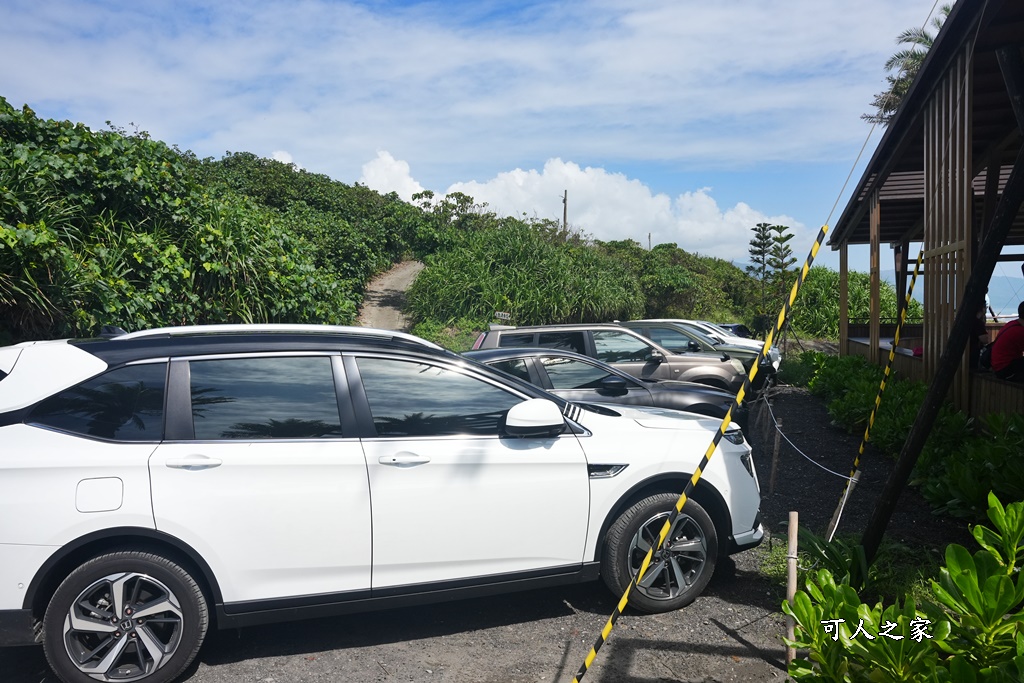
[125,616]
[678,572]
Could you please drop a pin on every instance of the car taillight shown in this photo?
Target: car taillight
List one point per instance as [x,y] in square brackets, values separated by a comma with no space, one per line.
[478,342]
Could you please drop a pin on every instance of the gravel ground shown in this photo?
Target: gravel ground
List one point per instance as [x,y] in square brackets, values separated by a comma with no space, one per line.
[731,633]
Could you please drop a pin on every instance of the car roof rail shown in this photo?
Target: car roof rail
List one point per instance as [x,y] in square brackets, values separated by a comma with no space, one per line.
[277,328]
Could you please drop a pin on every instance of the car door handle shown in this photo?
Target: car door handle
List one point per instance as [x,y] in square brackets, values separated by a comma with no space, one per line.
[403,459]
[193,462]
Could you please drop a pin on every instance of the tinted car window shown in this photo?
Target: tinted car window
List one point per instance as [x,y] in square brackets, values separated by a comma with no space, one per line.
[619,347]
[563,341]
[126,404]
[264,398]
[416,399]
[515,340]
[515,367]
[701,335]
[569,373]
[671,339]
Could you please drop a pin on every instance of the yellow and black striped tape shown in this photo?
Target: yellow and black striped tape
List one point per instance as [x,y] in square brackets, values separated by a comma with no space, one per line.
[885,379]
[740,395]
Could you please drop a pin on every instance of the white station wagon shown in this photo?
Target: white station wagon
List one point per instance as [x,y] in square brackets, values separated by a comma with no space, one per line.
[155,483]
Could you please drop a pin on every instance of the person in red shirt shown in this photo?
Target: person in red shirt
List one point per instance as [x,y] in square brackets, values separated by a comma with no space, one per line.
[1008,349]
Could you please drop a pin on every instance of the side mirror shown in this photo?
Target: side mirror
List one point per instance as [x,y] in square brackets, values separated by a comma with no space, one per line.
[534,418]
[655,357]
[725,356]
[693,346]
[613,384]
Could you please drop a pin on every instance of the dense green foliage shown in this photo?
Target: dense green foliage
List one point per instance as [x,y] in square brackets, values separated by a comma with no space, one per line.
[115,228]
[513,267]
[969,629]
[677,284]
[109,228]
[816,311]
[962,461]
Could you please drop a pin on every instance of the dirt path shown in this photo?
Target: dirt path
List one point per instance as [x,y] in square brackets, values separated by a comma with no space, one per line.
[385,298]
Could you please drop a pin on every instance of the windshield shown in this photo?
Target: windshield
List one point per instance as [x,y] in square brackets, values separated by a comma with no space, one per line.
[700,334]
[720,330]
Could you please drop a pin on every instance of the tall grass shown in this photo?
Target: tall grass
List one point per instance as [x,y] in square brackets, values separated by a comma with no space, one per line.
[517,269]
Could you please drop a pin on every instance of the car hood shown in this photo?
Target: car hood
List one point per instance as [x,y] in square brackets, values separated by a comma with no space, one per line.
[651,418]
[689,387]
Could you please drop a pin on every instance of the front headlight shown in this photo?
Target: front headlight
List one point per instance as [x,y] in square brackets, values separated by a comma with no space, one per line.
[738,366]
[734,436]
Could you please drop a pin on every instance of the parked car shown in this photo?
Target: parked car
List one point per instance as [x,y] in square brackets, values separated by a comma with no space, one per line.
[579,379]
[737,330]
[724,336]
[624,349]
[161,482]
[680,334]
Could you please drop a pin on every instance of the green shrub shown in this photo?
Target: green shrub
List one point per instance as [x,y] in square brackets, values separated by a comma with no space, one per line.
[970,629]
[457,336]
[515,268]
[961,461]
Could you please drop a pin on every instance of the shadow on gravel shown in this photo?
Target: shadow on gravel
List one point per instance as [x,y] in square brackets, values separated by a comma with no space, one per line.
[405,624]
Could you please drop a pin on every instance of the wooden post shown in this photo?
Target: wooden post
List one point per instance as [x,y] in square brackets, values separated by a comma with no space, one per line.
[794,525]
[974,297]
[775,459]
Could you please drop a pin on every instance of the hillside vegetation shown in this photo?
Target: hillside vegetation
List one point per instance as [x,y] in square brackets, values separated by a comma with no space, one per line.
[113,227]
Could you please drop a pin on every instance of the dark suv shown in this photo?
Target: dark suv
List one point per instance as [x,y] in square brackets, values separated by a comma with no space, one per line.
[624,349]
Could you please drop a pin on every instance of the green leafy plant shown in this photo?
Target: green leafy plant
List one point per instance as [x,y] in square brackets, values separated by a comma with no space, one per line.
[971,629]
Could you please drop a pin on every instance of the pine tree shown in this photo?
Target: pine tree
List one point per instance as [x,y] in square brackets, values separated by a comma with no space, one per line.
[760,250]
[780,260]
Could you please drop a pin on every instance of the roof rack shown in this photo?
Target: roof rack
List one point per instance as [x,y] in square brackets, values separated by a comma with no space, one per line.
[277,328]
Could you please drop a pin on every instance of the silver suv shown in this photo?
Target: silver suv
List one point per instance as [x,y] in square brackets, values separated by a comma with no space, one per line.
[623,348]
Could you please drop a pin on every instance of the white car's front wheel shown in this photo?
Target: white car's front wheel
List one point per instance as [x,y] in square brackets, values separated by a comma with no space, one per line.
[125,616]
[678,571]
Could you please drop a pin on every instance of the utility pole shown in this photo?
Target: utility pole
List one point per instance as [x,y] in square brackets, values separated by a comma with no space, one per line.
[565,211]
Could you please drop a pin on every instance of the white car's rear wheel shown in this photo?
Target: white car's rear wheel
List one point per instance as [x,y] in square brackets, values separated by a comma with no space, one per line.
[679,570]
[125,616]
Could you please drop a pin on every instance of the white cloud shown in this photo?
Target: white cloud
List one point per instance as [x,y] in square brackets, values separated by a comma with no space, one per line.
[385,174]
[285,158]
[610,206]
[465,89]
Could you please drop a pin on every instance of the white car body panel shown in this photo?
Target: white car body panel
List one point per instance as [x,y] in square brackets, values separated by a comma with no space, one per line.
[40,476]
[477,506]
[21,562]
[274,519]
[674,441]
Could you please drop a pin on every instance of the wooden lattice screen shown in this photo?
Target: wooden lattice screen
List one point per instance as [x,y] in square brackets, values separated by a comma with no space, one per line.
[948,213]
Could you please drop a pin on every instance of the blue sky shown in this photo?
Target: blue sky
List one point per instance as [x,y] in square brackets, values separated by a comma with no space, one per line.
[689,121]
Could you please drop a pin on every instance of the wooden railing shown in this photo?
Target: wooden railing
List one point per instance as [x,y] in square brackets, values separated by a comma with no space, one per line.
[988,394]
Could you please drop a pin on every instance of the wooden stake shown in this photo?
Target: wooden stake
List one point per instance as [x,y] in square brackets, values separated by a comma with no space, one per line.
[791,581]
[831,531]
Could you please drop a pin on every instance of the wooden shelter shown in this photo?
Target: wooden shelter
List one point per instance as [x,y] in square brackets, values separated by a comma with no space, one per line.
[948,175]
